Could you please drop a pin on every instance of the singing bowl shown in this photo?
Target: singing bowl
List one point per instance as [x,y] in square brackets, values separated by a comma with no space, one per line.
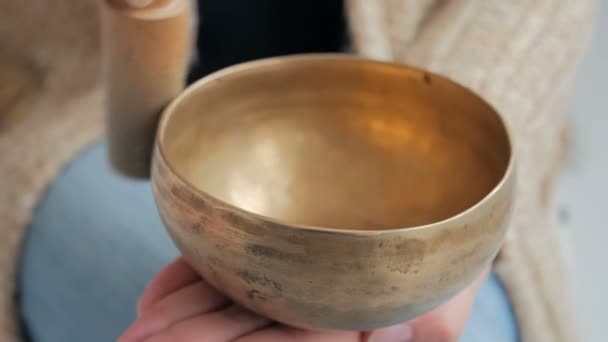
[334,192]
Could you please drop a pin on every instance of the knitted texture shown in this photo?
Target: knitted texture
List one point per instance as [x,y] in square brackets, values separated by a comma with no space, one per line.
[50,109]
[520,55]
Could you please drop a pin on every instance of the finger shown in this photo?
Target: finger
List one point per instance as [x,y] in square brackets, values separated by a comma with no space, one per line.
[447,322]
[192,300]
[174,276]
[226,325]
[397,333]
[444,324]
[283,333]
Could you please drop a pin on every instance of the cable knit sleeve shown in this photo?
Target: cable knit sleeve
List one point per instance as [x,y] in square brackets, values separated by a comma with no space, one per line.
[520,55]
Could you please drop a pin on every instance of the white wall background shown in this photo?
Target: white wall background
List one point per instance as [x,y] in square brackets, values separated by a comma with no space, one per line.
[582,203]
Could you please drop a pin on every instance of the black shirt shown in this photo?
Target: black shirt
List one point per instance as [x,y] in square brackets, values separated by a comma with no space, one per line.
[235,31]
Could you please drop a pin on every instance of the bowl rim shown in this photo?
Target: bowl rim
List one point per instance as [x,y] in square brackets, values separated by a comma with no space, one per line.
[171,109]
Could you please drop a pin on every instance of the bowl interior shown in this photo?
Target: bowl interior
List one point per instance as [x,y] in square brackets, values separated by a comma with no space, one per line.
[337,142]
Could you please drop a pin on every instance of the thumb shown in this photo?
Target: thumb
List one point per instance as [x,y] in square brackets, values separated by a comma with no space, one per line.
[447,322]
[397,333]
[443,324]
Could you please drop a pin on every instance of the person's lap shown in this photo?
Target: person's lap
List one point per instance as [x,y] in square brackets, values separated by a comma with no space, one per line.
[96,240]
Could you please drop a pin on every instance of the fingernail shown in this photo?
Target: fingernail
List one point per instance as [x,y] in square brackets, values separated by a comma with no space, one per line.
[396,333]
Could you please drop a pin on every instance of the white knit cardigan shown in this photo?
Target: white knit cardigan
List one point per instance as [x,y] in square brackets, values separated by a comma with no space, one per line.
[521,55]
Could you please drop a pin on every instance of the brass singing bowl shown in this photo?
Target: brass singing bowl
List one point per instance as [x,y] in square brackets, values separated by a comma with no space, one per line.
[333,192]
